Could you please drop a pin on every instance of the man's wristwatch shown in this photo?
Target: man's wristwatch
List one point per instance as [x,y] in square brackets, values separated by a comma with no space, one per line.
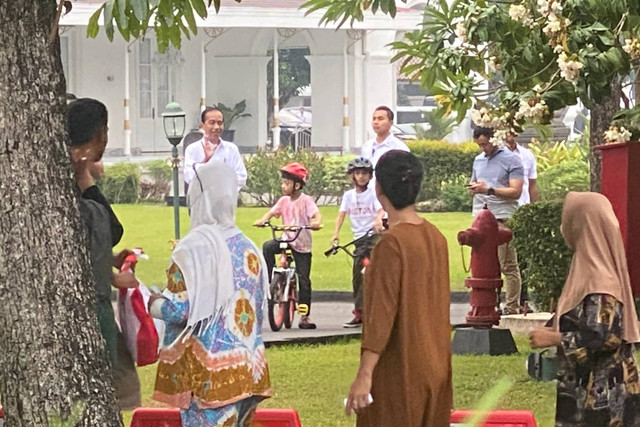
[491,191]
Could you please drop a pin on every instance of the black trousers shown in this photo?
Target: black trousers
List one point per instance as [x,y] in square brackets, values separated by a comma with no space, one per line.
[303,268]
[362,250]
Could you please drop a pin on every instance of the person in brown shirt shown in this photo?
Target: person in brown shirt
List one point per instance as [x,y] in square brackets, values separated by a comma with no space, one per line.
[404,378]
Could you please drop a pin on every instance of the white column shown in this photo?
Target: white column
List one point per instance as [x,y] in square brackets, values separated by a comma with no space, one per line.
[127,125]
[203,78]
[345,99]
[359,121]
[276,91]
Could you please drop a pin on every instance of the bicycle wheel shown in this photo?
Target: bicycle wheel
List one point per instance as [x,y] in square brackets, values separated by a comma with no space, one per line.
[291,304]
[277,303]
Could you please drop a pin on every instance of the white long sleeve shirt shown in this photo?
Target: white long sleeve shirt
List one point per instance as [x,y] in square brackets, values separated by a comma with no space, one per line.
[373,150]
[227,152]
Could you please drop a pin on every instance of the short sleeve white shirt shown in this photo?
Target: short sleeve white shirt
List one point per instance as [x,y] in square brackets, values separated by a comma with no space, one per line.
[373,150]
[530,172]
[362,209]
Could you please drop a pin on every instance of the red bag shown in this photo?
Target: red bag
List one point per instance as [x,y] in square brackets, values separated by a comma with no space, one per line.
[138,327]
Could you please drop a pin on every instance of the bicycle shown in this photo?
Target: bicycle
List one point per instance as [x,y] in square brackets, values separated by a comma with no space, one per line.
[335,248]
[283,289]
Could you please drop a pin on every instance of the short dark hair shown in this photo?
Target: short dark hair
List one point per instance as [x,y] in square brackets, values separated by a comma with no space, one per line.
[387,109]
[400,176]
[85,117]
[206,110]
[480,131]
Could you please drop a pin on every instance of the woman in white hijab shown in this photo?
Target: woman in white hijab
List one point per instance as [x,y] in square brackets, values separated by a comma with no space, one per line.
[596,322]
[212,364]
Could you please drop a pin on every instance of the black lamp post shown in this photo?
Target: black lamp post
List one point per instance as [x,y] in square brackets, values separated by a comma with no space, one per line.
[174,124]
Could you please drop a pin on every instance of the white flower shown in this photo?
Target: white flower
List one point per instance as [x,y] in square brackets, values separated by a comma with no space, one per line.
[546,7]
[485,118]
[569,69]
[499,138]
[520,13]
[617,135]
[553,25]
[534,113]
[461,32]
[558,49]
[632,47]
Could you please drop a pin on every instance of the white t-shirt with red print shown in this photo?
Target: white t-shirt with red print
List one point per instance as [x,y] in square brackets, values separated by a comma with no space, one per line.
[296,212]
[362,209]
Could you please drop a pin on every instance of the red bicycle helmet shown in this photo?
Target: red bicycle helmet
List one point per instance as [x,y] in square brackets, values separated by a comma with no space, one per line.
[296,171]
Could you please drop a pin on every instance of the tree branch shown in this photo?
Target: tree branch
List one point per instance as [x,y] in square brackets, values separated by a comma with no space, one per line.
[56,22]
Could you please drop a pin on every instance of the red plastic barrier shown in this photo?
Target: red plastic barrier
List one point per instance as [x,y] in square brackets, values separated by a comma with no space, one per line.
[170,417]
[499,418]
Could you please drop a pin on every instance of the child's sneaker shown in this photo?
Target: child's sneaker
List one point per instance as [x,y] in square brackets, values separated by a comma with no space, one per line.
[306,323]
[355,322]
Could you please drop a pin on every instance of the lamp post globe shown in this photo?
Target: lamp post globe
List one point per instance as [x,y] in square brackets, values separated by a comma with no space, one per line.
[173,119]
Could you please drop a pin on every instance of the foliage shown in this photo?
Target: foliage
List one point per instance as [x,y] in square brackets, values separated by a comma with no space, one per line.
[543,255]
[294,71]
[157,187]
[553,153]
[230,115]
[537,55]
[440,125]
[630,120]
[326,174]
[442,162]
[455,197]
[556,181]
[121,183]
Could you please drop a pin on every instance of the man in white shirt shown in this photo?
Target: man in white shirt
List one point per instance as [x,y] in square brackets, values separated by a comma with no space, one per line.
[384,141]
[212,148]
[529,185]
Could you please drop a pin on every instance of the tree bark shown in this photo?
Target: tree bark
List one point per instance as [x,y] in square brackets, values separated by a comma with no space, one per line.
[601,116]
[52,357]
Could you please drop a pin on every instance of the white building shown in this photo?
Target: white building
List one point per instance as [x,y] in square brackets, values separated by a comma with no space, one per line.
[226,62]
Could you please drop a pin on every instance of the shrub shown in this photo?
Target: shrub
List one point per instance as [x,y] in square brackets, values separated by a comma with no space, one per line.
[556,181]
[157,187]
[553,153]
[326,174]
[543,255]
[455,197]
[121,183]
[443,162]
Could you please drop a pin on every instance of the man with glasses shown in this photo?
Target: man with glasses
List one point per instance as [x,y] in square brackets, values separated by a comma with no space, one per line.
[212,148]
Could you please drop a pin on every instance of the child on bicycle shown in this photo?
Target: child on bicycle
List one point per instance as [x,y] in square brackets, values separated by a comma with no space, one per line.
[295,208]
[365,213]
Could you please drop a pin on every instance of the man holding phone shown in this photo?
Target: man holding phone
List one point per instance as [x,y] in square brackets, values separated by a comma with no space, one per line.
[496,181]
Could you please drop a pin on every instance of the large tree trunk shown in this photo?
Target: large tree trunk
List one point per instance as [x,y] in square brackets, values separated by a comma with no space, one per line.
[52,357]
[601,116]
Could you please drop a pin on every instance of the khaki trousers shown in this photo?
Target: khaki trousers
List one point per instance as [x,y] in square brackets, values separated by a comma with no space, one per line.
[509,265]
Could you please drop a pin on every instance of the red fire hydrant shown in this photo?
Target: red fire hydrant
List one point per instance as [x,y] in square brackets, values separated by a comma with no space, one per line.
[485,282]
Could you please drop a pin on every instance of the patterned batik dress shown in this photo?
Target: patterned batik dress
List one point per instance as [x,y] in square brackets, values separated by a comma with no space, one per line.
[598,379]
[218,375]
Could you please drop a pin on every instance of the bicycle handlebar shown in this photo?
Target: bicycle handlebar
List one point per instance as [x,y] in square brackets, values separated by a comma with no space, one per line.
[334,249]
[275,228]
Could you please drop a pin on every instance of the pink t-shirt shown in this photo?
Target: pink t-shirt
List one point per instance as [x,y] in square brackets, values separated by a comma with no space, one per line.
[296,212]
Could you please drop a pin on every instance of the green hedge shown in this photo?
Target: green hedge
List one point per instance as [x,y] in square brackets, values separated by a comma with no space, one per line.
[542,253]
[444,163]
[327,174]
[121,183]
[159,185]
[556,181]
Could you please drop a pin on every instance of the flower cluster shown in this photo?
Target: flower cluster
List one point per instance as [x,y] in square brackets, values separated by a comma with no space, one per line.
[617,134]
[632,47]
[493,65]
[554,25]
[485,118]
[461,31]
[520,13]
[569,69]
[499,137]
[548,7]
[533,109]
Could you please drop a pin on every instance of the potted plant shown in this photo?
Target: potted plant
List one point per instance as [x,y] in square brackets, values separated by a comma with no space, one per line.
[230,115]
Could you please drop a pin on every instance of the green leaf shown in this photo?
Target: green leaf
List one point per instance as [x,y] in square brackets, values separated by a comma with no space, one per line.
[174,36]
[140,8]
[190,18]
[108,19]
[92,26]
[121,17]
[200,8]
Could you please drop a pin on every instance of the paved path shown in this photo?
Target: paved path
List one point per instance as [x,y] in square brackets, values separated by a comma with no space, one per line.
[329,316]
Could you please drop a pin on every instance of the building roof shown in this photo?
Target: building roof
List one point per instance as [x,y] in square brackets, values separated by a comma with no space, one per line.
[267,14]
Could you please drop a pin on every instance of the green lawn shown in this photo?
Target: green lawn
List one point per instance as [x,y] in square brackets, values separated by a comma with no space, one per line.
[315,379]
[151,227]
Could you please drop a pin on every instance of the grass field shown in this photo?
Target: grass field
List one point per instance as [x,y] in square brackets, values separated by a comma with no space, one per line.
[151,227]
[315,380]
